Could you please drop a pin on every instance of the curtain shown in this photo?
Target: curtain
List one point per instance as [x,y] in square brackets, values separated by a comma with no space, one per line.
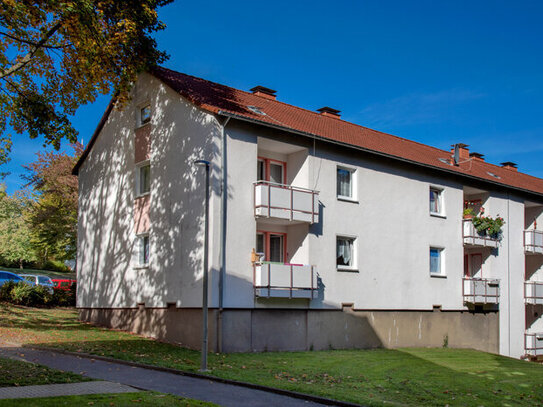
[434,201]
[435,261]
[343,182]
[344,252]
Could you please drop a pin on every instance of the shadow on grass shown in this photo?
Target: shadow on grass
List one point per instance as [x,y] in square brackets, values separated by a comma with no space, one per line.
[370,377]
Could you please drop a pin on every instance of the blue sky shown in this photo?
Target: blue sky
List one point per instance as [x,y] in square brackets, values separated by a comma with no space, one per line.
[431,71]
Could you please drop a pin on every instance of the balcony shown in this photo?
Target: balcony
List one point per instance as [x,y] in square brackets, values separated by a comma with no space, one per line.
[533,241]
[284,203]
[278,280]
[480,291]
[474,238]
[533,292]
[533,343]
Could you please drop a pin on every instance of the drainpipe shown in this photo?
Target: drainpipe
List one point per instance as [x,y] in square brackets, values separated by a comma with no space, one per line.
[222,259]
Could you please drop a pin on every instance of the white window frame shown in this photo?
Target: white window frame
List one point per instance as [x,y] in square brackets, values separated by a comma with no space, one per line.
[441,201]
[354,191]
[138,185]
[141,107]
[140,250]
[354,254]
[441,252]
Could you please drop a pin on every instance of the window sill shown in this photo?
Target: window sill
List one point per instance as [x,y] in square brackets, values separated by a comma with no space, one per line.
[347,269]
[438,215]
[143,195]
[141,267]
[438,275]
[347,199]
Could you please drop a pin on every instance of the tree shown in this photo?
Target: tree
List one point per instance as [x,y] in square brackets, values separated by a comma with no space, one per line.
[53,216]
[15,244]
[56,55]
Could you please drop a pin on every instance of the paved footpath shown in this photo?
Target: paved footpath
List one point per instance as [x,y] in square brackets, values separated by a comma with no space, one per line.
[227,395]
[64,389]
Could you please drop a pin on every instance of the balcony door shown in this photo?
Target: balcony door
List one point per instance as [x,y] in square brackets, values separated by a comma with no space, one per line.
[271,170]
[473,265]
[272,246]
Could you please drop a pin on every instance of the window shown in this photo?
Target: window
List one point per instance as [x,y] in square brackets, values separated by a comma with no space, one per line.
[145,114]
[272,246]
[436,206]
[436,260]
[345,256]
[143,250]
[143,179]
[271,170]
[345,183]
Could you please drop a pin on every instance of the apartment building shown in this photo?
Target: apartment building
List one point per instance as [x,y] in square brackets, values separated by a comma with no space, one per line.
[323,234]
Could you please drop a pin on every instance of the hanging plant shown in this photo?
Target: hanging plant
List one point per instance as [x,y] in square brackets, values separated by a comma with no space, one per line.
[485,225]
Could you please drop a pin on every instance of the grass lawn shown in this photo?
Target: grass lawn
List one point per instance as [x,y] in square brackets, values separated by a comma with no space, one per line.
[107,400]
[17,373]
[418,377]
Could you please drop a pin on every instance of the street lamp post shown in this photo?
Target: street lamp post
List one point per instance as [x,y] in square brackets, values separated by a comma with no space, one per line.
[203,366]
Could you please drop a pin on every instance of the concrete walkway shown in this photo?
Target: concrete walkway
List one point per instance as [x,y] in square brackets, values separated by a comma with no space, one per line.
[227,395]
[64,389]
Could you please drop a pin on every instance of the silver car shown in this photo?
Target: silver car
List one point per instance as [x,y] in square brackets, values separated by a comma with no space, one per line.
[39,280]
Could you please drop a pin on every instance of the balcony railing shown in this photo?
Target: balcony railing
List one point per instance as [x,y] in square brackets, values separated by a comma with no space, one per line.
[533,343]
[286,202]
[474,238]
[533,241]
[278,280]
[480,291]
[533,292]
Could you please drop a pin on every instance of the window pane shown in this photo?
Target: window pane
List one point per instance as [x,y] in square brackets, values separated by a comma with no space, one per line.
[344,251]
[276,248]
[145,114]
[145,179]
[276,173]
[261,176]
[435,205]
[144,250]
[344,182]
[260,243]
[435,261]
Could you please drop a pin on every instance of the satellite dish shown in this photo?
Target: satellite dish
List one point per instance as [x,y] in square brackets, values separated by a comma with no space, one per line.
[456,156]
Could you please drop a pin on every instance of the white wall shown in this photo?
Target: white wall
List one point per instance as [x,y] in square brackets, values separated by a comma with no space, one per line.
[181,133]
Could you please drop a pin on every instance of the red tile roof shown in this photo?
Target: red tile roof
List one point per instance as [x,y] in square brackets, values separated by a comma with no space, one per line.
[228,101]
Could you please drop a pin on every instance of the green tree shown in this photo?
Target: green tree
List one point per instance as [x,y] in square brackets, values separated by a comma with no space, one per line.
[53,216]
[56,55]
[15,235]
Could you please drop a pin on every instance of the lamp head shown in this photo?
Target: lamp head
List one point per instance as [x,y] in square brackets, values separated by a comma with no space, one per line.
[201,163]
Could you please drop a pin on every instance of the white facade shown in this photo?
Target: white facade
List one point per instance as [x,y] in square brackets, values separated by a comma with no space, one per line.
[387,220]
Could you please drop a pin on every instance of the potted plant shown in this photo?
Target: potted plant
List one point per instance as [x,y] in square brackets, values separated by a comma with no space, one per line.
[468,213]
[485,225]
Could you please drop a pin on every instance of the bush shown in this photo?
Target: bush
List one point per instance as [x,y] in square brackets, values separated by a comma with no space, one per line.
[55,265]
[63,298]
[33,296]
[6,290]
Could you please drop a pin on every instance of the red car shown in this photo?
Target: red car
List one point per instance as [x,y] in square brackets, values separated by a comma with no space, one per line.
[63,284]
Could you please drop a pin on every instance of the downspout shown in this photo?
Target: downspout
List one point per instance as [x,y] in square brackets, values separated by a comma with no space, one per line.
[222,246]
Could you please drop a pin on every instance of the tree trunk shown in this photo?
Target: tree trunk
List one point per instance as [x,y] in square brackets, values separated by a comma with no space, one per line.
[21,264]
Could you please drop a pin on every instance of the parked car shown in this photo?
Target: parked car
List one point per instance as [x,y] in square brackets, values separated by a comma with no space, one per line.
[39,280]
[63,283]
[6,276]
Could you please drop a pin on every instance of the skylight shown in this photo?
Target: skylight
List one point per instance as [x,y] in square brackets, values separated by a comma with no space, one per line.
[256,110]
[493,175]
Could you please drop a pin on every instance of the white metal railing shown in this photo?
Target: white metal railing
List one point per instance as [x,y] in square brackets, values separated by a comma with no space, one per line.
[533,343]
[474,238]
[281,201]
[533,241]
[284,280]
[480,290]
[533,292]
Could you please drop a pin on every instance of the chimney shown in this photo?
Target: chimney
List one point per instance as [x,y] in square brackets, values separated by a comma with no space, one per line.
[477,156]
[264,92]
[329,112]
[509,165]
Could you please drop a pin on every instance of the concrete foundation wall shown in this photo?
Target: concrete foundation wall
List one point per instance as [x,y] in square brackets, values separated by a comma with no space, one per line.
[254,330]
